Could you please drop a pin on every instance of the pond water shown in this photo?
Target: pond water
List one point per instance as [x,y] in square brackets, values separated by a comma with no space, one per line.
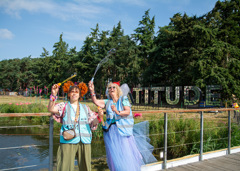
[25,148]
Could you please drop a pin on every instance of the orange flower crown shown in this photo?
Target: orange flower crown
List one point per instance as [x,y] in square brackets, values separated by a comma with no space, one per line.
[82,86]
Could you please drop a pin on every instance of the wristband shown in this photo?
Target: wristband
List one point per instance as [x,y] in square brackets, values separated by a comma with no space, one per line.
[53,98]
[99,120]
[93,94]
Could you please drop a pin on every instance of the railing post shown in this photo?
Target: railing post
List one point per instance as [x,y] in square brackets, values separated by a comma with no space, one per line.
[229,132]
[165,142]
[51,143]
[201,136]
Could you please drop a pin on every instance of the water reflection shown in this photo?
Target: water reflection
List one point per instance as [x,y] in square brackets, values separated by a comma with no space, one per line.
[12,157]
[20,147]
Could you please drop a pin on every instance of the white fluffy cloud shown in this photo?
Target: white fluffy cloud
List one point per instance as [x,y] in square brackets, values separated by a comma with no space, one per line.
[63,10]
[6,34]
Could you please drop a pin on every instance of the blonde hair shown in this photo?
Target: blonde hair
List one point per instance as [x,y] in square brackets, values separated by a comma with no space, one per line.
[119,91]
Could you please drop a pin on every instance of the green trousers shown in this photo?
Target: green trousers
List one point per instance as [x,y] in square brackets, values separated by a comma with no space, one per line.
[66,156]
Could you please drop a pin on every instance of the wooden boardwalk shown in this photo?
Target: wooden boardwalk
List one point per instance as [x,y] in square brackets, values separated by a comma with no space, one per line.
[229,162]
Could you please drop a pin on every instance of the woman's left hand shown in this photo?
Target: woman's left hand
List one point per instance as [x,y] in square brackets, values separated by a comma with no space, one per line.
[114,109]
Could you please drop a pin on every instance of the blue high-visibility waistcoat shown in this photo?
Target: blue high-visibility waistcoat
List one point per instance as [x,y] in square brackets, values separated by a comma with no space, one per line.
[124,123]
[82,128]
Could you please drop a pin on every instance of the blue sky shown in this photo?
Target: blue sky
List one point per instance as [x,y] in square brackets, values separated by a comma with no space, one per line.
[26,26]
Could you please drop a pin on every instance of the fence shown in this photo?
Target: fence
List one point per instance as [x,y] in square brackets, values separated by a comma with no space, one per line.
[165,133]
[201,112]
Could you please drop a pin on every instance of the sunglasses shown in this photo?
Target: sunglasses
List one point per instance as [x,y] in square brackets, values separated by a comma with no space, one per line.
[113,87]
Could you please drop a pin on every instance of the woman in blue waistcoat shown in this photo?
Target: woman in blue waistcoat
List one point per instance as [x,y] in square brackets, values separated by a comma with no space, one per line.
[78,117]
[123,152]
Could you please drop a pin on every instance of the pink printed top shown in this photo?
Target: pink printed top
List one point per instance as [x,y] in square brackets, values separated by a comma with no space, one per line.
[92,116]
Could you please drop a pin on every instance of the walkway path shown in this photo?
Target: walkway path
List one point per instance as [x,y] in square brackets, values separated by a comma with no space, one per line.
[228,162]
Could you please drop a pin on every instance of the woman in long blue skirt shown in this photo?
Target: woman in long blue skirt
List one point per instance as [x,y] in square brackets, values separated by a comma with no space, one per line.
[120,133]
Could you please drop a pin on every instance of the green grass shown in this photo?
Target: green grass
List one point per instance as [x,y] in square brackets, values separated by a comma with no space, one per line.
[184,136]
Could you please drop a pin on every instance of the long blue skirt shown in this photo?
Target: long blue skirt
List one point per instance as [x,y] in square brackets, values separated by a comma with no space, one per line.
[123,153]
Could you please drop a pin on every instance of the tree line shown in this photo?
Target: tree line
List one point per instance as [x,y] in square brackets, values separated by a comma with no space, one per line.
[190,50]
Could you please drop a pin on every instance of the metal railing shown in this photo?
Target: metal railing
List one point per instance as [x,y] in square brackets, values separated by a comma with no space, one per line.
[165,112]
[201,111]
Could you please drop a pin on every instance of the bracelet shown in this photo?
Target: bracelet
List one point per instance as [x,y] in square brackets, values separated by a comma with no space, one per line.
[99,120]
[53,98]
[93,94]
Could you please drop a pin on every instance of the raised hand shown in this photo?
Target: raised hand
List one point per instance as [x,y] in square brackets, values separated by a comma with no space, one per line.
[55,89]
[91,86]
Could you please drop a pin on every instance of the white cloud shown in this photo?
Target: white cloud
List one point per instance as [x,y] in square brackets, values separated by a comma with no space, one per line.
[63,10]
[14,7]
[6,34]
[130,2]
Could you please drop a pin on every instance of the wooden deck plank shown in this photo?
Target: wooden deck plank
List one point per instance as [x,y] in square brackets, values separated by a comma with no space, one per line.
[234,156]
[201,167]
[179,169]
[188,167]
[213,166]
[228,162]
[222,165]
[204,166]
[237,154]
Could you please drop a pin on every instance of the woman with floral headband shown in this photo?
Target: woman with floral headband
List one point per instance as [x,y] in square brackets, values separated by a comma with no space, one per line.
[77,121]
[122,150]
